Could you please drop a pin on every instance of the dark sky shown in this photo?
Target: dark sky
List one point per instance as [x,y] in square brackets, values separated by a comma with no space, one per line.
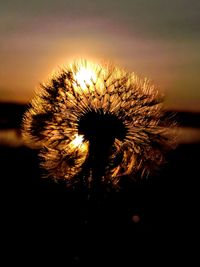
[154,38]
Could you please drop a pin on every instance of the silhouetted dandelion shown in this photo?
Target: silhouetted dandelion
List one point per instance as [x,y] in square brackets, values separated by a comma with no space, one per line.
[97,120]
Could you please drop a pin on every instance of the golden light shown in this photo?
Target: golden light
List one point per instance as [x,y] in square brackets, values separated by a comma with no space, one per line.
[86,76]
[77,141]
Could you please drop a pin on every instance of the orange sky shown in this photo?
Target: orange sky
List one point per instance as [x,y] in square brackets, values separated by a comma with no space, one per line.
[164,48]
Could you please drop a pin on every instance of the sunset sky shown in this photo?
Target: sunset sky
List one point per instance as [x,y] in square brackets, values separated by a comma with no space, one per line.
[155,38]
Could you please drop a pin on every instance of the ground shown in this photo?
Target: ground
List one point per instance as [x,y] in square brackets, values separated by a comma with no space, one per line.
[153,219]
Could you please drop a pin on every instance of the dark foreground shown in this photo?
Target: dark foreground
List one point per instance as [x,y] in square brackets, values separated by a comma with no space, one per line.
[152,220]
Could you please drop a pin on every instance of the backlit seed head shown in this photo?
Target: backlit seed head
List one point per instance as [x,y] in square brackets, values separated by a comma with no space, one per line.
[92,118]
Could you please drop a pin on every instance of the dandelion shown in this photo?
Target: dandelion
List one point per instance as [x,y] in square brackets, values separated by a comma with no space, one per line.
[97,121]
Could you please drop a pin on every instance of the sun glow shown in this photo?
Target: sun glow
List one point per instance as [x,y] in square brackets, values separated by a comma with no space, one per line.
[85,77]
[77,141]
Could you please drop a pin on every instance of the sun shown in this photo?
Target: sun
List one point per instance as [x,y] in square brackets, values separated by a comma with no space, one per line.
[85,77]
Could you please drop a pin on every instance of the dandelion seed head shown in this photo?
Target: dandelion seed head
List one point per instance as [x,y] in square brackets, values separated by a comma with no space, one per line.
[90,113]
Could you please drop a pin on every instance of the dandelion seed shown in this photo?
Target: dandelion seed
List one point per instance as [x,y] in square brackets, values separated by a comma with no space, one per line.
[97,119]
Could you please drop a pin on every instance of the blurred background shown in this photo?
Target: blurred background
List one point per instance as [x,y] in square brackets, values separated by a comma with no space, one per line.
[155,39]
